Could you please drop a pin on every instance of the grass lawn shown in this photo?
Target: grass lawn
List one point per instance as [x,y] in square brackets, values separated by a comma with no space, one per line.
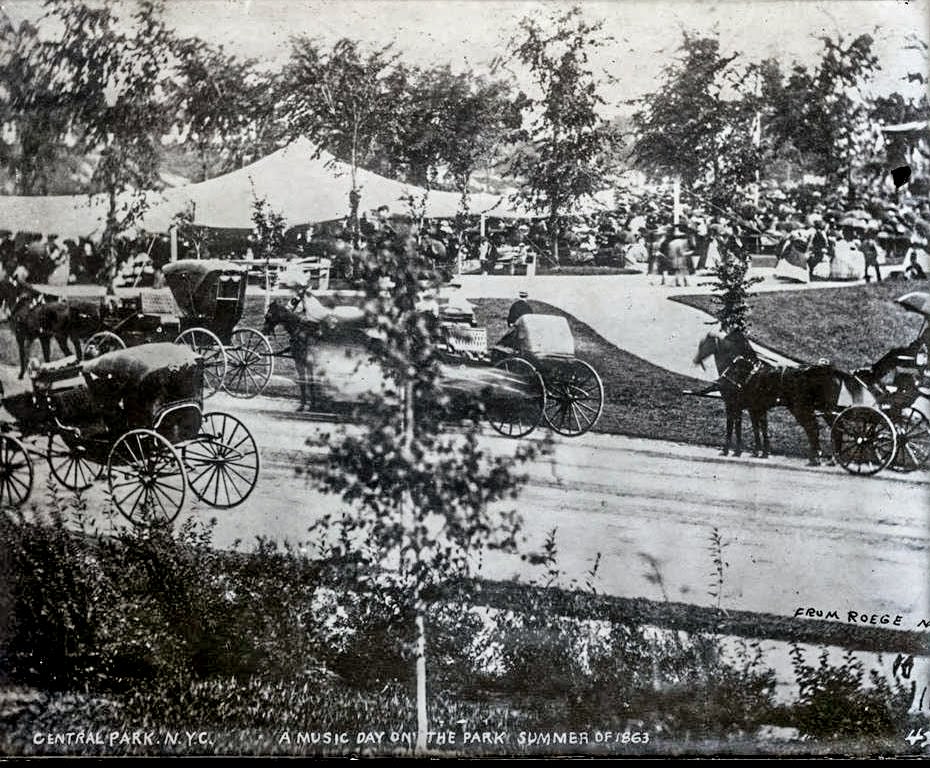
[850,326]
[642,399]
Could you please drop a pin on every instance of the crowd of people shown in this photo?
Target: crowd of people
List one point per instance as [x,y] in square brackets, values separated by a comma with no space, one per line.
[811,232]
[50,260]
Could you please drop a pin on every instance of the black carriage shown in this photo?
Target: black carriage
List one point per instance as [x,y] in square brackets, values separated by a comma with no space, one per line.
[544,344]
[532,375]
[899,389]
[135,415]
[201,308]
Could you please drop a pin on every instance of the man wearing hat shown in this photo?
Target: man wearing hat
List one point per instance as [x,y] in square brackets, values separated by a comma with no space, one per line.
[519,308]
[916,261]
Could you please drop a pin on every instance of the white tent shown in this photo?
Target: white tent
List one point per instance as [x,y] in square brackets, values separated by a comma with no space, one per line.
[304,190]
[68,216]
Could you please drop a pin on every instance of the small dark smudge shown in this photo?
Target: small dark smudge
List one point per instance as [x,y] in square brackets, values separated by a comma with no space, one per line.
[901,176]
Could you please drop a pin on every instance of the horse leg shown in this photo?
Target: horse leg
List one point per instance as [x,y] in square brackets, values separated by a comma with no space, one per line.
[24,343]
[46,343]
[764,427]
[738,422]
[62,340]
[726,445]
[808,421]
[78,350]
[754,418]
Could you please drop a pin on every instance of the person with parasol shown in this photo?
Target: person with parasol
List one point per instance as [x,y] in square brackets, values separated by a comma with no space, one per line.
[908,363]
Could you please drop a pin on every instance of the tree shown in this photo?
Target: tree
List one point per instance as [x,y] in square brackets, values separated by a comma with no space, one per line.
[823,112]
[731,288]
[29,105]
[110,76]
[342,100]
[450,121]
[268,230]
[699,125]
[563,159]
[224,106]
[417,495]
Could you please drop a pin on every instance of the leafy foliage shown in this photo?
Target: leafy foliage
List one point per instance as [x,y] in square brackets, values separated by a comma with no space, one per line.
[563,159]
[731,289]
[223,105]
[29,105]
[342,99]
[692,126]
[838,702]
[110,71]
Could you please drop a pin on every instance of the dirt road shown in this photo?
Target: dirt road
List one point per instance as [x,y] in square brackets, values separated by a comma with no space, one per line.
[790,536]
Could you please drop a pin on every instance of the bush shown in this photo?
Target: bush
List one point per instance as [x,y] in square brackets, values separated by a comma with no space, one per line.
[838,703]
[146,606]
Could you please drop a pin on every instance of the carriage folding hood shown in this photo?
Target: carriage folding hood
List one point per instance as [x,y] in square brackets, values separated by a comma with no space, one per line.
[209,288]
[137,384]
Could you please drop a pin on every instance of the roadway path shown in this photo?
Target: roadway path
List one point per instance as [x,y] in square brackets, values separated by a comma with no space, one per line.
[794,536]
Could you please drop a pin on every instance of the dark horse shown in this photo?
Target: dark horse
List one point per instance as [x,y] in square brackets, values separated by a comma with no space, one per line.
[748,383]
[33,317]
[735,359]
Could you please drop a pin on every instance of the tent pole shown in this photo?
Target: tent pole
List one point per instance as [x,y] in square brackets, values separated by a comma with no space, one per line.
[173,233]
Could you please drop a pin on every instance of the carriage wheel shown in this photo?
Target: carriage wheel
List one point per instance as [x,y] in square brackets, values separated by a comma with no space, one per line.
[519,415]
[574,398]
[70,464]
[864,440]
[101,343]
[222,462]
[16,472]
[146,478]
[913,440]
[251,363]
[206,344]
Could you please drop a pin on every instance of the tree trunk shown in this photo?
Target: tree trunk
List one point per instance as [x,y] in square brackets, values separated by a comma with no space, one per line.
[554,233]
[422,722]
[354,196]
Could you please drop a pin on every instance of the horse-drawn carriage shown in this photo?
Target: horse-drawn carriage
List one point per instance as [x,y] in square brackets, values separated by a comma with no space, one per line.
[879,416]
[531,376]
[137,416]
[201,308]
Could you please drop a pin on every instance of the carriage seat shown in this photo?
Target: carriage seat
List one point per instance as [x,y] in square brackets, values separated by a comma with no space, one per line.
[159,303]
[60,374]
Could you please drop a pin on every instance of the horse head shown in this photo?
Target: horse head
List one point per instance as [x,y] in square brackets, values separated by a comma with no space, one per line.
[274,316]
[706,348]
[24,298]
[278,314]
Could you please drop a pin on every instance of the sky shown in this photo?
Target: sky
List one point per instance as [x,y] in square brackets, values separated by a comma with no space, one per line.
[470,33]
